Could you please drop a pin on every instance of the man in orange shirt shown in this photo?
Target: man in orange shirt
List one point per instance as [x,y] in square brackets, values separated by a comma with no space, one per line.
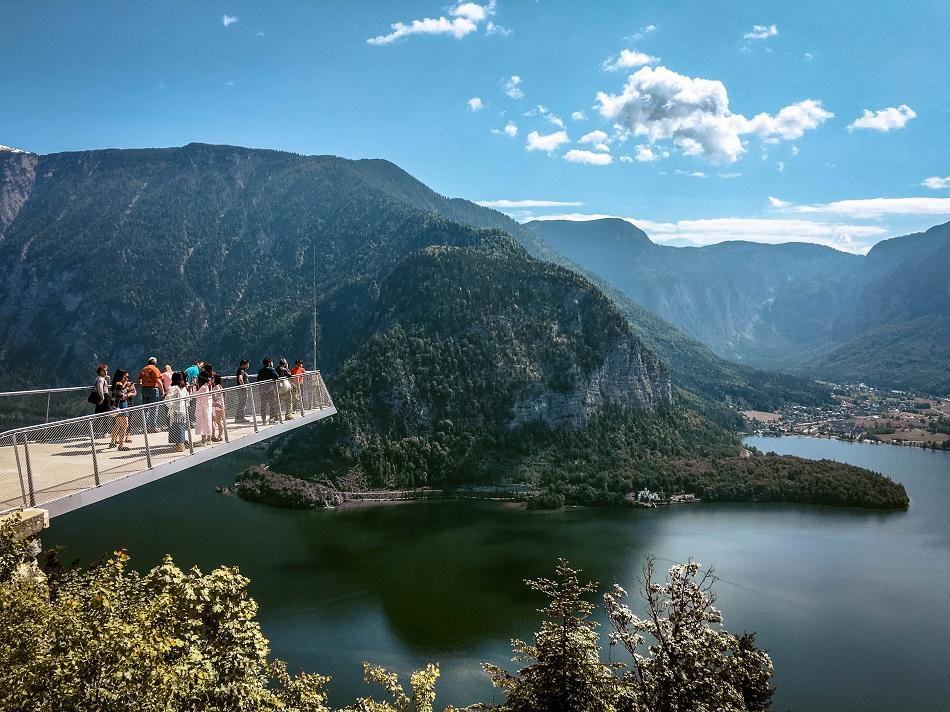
[297,371]
[153,389]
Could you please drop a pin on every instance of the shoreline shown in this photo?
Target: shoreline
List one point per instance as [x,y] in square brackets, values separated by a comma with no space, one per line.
[919,446]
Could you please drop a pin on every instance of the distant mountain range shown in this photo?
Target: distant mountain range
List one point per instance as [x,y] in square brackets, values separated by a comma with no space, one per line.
[213,251]
[881,318]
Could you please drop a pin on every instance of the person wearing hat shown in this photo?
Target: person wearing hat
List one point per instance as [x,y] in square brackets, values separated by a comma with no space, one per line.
[153,390]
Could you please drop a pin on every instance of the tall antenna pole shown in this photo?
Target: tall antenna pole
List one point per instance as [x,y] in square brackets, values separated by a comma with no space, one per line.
[314,248]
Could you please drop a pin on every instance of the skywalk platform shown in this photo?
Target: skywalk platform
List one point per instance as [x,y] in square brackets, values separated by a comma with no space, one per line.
[68,464]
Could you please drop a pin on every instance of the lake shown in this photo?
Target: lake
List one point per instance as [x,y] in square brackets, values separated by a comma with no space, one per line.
[853,605]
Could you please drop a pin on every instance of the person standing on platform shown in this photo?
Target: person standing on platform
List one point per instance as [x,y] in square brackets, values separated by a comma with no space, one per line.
[243,379]
[123,391]
[268,391]
[153,390]
[175,400]
[297,372]
[191,373]
[203,414]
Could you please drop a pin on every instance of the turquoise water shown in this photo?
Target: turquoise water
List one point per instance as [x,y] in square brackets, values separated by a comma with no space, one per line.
[853,605]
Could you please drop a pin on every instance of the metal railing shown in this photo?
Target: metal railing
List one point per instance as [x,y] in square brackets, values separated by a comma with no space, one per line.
[44,405]
[45,462]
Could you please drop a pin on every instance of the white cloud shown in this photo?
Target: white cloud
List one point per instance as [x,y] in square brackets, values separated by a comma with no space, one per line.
[761,32]
[795,151]
[776,203]
[594,137]
[556,120]
[640,34]
[808,56]
[884,119]
[513,87]
[591,158]
[729,175]
[546,142]
[627,59]
[694,114]
[626,159]
[510,130]
[475,104]
[879,207]
[936,182]
[504,203]
[492,29]
[780,166]
[578,116]
[773,231]
[645,154]
[228,20]
[463,20]
[691,174]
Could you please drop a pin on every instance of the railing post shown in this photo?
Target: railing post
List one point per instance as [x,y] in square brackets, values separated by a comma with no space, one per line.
[191,439]
[19,469]
[299,387]
[148,452]
[95,459]
[49,395]
[250,392]
[29,470]
[224,420]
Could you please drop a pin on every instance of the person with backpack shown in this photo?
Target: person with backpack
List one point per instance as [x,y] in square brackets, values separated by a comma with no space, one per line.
[285,388]
[243,378]
[101,398]
[268,391]
[123,391]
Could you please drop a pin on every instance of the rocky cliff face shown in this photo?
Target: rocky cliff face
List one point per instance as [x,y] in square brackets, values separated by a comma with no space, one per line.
[629,376]
[17,176]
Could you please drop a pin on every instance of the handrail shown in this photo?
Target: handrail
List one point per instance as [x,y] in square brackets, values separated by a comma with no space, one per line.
[134,408]
[44,463]
[72,389]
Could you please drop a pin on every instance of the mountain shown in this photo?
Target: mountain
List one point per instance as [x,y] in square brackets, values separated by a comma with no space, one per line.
[795,306]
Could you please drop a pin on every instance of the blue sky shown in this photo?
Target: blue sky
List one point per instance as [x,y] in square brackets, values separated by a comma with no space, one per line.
[699,121]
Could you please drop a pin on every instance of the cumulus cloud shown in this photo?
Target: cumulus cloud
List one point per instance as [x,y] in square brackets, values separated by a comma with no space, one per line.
[694,114]
[591,158]
[936,182]
[645,154]
[228,20]
[546,142]
[594,137]
[464,19]
[492,29]
[578,116]
[510,130]
[513,87]
[884,119]
[475,104]
[761,32]
[773,231]
[627,59]
[509,204]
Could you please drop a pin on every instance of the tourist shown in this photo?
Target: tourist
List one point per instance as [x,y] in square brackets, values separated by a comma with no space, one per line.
[191,373]
[123,390]
[297,371]
[175,400]
[101,398]
[153,389]
[285,388]
[167,377]
[203,414]
[268,392]
[243,379]
[217,409]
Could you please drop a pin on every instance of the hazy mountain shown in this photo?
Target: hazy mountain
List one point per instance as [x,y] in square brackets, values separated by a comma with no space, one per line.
[793,306]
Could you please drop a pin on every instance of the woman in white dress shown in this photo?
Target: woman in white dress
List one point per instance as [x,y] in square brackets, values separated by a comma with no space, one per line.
[175,400]
[203,408]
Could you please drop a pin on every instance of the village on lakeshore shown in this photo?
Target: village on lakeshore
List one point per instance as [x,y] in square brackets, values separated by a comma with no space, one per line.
[862,413]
